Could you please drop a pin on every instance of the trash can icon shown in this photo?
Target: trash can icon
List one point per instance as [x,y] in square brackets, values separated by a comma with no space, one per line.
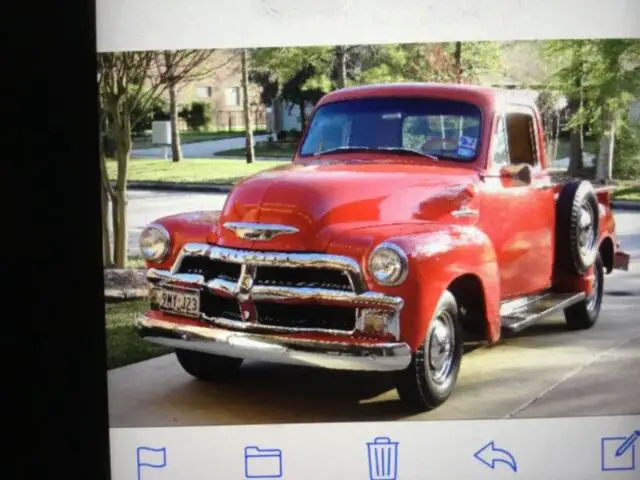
[383,459]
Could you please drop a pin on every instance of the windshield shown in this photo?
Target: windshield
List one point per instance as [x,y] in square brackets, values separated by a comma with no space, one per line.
[444,129]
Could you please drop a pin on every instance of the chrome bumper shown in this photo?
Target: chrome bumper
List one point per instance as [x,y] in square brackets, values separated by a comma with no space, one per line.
[335,355]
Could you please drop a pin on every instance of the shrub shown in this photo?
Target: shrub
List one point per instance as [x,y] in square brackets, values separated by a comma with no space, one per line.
[197,116]
[282,135]
[158,111]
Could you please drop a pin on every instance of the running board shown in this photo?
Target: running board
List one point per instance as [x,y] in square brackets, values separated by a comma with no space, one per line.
[518,314]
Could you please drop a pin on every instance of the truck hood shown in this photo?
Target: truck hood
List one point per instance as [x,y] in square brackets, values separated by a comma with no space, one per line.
[322,200]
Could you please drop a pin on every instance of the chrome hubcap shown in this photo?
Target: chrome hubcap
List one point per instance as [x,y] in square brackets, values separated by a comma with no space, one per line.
[585,230]
[441,348]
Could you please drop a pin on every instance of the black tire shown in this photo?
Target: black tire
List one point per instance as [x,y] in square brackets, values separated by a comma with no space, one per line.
[576,242]
[211,368]
[584,315]
[419,387]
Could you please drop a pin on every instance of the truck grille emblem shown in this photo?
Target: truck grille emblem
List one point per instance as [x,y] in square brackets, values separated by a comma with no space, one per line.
[259,231]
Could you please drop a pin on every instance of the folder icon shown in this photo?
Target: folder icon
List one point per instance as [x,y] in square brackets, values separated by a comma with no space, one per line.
[262,463]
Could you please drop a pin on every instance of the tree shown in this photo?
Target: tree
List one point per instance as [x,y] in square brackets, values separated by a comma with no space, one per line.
[597,76]
[125,87]
[176,67]
[245,107]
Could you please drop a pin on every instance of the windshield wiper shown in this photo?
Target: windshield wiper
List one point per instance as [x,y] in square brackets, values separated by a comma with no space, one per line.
[378,149]
[345,149]
[409,151]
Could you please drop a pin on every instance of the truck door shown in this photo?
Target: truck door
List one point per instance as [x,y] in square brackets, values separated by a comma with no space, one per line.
[519,217]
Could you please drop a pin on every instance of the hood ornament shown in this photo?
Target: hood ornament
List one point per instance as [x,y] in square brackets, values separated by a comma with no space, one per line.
[259,231]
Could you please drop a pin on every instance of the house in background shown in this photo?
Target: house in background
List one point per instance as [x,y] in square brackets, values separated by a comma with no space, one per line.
[222,90]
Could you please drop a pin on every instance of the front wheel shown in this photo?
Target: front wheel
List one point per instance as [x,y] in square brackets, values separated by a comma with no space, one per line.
[431,376]
[211,368]
[584,315]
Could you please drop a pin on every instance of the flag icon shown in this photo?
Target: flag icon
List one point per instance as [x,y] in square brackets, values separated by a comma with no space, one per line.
[150,457]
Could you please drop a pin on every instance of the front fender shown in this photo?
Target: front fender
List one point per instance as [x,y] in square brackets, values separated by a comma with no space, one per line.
[436,259]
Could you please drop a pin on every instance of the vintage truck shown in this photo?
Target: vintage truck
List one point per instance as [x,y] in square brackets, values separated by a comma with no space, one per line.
[412,218]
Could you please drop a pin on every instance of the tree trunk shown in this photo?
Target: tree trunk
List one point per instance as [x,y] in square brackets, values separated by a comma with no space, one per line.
[245,107]
[122,129]
[176,149]
[105,191]
[605,155]
[576,138]
[457,55]
[340,53]
[303,115]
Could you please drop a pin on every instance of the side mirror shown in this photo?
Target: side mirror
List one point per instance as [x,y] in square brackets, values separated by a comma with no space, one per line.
[520,173]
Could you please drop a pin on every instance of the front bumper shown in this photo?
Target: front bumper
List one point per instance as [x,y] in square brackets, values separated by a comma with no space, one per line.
[353,355]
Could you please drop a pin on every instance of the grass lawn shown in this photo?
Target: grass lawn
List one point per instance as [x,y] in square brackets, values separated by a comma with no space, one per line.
[193,137]
[264,149]
[123,345]
[197,170]
[628,190]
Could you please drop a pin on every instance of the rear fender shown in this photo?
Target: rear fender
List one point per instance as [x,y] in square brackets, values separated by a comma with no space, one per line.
[436,260]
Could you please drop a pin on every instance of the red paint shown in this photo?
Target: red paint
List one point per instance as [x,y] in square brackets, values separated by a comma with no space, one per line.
[348,203]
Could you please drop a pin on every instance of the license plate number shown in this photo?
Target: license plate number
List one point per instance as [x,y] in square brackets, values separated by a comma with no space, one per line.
[180,302]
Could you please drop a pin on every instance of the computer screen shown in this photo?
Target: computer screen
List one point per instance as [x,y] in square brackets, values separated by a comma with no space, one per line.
[369,239]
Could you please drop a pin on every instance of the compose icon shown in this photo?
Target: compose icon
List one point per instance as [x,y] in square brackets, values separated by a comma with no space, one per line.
[151,458]
[619,453]
[490,455]
[262,463]
[383,459]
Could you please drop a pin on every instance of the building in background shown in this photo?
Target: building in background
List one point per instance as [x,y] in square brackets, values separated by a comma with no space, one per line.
[222,90]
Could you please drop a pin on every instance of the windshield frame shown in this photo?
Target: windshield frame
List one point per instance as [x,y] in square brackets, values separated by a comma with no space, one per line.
[440,158]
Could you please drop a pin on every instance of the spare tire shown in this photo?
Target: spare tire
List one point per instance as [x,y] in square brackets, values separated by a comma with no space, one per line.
[577,227]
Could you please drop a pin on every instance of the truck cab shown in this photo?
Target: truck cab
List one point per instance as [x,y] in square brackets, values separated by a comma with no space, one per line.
[412,218]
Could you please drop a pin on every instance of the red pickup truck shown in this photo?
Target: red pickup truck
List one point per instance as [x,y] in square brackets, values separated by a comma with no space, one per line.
[412,218]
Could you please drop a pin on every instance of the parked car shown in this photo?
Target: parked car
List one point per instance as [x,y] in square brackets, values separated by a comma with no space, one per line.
[412,218]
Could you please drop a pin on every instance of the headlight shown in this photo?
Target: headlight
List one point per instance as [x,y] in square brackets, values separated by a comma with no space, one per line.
[388,264]
[154,243]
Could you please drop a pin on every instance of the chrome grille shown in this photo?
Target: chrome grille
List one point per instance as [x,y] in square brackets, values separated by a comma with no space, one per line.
[275,291]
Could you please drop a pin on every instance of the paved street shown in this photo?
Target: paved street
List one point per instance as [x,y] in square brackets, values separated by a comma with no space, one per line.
[145,206]
[546,371]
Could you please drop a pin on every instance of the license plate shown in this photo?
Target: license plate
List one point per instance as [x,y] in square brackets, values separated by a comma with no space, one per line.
[179,302]
[621,261]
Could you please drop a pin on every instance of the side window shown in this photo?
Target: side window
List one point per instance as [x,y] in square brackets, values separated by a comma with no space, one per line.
[500,144]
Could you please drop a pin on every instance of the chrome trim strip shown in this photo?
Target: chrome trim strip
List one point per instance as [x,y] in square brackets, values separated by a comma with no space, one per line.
[465,212]
[259,231]
[228,289]
[269,259]
[354,356]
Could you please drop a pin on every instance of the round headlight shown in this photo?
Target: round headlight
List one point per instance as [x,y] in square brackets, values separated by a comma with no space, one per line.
[388,264]
[154,243]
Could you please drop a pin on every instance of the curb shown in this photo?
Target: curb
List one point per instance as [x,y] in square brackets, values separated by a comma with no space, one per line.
[626,205]
[179,187]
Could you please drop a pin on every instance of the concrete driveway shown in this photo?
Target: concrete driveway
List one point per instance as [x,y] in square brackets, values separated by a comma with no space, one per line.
[544,372]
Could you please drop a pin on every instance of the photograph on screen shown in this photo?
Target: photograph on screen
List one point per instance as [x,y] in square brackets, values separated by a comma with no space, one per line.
[340,233]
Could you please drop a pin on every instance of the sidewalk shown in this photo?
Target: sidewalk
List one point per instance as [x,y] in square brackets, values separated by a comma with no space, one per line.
[205,149]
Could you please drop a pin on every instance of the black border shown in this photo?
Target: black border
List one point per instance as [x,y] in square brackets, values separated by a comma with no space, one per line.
[57,365]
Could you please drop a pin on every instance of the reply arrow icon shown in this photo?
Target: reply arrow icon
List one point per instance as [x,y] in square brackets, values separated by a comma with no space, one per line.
[490,456]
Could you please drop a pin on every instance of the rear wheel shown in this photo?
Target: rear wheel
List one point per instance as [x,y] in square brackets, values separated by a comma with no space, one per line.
[211,368]
[584,315]
[431,376]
